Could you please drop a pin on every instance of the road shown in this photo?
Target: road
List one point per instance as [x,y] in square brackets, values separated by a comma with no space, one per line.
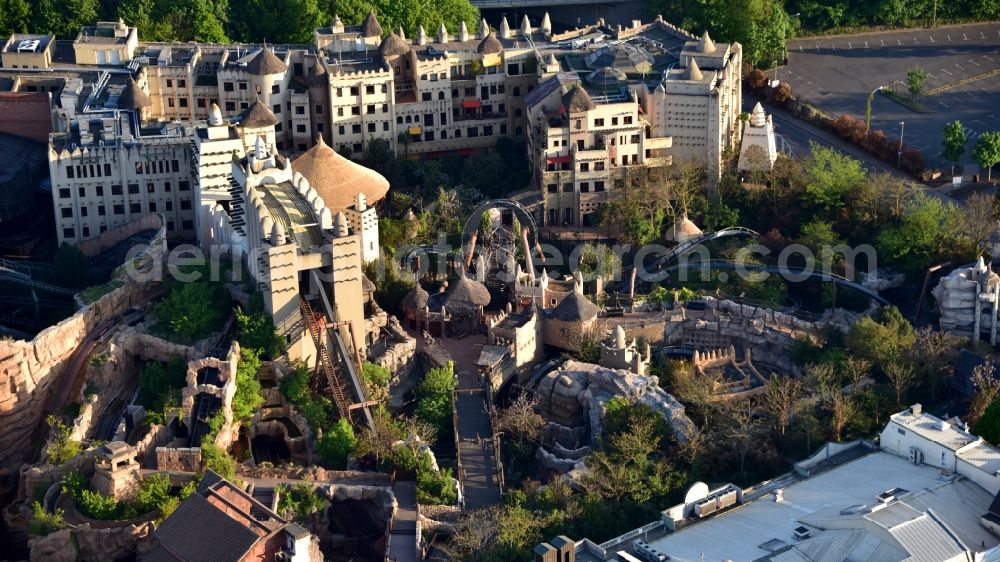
[837,73]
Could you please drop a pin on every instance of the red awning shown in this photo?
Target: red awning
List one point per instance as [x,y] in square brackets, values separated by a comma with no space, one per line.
[557,160]
[471,104]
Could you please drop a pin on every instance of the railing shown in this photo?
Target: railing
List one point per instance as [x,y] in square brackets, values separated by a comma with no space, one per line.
[339,397]
[459,473]
[631,534]
[495,438]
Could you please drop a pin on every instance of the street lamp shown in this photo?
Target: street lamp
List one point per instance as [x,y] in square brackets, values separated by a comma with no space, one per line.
[868,110]
[899,153]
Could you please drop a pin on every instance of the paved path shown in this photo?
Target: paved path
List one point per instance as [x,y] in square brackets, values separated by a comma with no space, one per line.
[403,545]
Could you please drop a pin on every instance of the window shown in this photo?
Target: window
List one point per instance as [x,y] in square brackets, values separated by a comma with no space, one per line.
[227,86]
[458,133]
[170,83]
[107,169]
[150,188]
[278,127]
[200,102]
[440,95]
[276,108]
[152,206]
[579,144]
[184,185]
[319,127]
[425,96]
[301,147]
[66,212]
[470,92]
[170,205]
[340,129]
[355,110]
[354,90]
[503,128]
[100,190]
[598,186]
[243,86]
[181,83]
[83,211]
[230,106]
[370,89]
[585,166]
[300,128]
[82,192]
[516,91]
[183,102]
[444,134]
[276,88]
[319,109]
[340,112]
[634,139]
[135,208]
[552,188]
[102,210]
[69,233]
[488,130]
[598,122]
[69,171]
[357,147]
[185,204]
[399,119]
[133,188]
[170,102]
[371,127]
[356,128]
[187,225]
[166,186]
[628,119]
[472,131]
[116,190]
[568,187]
[370,109]
[428,119]
[444,118]
[614,121]
[119,209]
[385,125]
[428,135]
[385,108]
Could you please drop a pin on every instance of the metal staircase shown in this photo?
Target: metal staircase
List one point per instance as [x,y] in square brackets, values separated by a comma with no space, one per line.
[333,374]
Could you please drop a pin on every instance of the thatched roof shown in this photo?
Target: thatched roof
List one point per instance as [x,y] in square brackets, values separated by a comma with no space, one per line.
[338,180]
[490,45]
[318,75]
[257,116]
[265,62]
[415,299]
[467,293]
[576,100]
[133,97]
[575,308]
[371,28]
[393,45]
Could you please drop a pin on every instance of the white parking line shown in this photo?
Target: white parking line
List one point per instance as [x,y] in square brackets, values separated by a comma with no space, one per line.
[982,35]
[932,76]
[932,38]
[899,41]
[866,44]
[964,37]
[883,41]
[974,62]
[949,37]
[849,45]
[945,70]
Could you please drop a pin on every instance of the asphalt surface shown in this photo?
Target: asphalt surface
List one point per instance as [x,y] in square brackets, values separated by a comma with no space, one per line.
[837,73]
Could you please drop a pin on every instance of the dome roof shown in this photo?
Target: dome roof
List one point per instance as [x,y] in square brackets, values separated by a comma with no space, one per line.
[467,293]
[490,45]
[337,179]
[318,73]
[624,57]
[577,99]
[371,28]
[265,62]
[257,116]
[393,45]
[133,97]
[415,299]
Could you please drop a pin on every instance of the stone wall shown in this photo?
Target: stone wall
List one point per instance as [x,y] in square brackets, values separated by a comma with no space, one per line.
[83,544]
[109,238]
[178,459]
[33,378]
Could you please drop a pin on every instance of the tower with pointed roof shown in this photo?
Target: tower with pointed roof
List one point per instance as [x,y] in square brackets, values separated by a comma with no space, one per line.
[758,149]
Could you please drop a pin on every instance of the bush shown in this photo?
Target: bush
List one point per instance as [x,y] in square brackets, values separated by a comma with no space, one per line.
[336,445]
[247,398]
[214,458]
[433,487]
[103,508]
[191,311]
[43,522]
[298,500]
[160,382]
[434,398]
[60,448]
[153,494]
[254,328]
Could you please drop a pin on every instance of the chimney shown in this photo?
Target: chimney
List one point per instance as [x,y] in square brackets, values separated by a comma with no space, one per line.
[916,409]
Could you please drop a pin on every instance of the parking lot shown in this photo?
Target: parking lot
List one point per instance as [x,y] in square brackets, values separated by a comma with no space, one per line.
[837,73]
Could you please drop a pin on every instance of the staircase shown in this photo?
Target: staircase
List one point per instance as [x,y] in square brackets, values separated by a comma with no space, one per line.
[340,395]
[493,269]
[236,211]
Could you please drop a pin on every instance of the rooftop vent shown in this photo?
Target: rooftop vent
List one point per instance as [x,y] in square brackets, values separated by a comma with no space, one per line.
[801,533]
[916,409]
[893,494]
[27,46]
[943,425]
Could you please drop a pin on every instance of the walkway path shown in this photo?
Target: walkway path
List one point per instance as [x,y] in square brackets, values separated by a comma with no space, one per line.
[403,538]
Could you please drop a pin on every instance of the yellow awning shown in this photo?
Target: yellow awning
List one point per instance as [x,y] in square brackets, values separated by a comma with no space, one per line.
[414,130]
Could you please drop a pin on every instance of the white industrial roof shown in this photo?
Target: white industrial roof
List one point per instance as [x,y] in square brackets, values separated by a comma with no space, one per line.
[983,456]
[932,427]
[739,534]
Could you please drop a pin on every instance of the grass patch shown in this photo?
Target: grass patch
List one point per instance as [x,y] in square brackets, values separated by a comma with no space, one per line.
[92,294]
[906,101]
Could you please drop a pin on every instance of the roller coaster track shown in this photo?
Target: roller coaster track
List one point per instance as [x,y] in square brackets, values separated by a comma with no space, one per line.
[23,279]
[774,269]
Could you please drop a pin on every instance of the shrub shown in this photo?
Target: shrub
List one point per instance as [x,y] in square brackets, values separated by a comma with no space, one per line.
[60,448]
[214,458]
[191,310]
[247,399]
[43,522]
[153,493]
[337,444]
[298,500]
[255,328]
[434,398]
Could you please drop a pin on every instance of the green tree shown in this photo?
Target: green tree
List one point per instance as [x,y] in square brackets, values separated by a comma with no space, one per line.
[818,235]
[15,16]
[598,260]
[434,398]
[337,444]
[159,383]
[927,226]
[953,147]
[988,424]
[987,152]
[409,14]
[255,329]
[61,447]
[247,399]
[217,459]
[70,267]
[153,493]
[883,338]
[191,310]
[63,18]
[915,78]
[287,21]
[830,176]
